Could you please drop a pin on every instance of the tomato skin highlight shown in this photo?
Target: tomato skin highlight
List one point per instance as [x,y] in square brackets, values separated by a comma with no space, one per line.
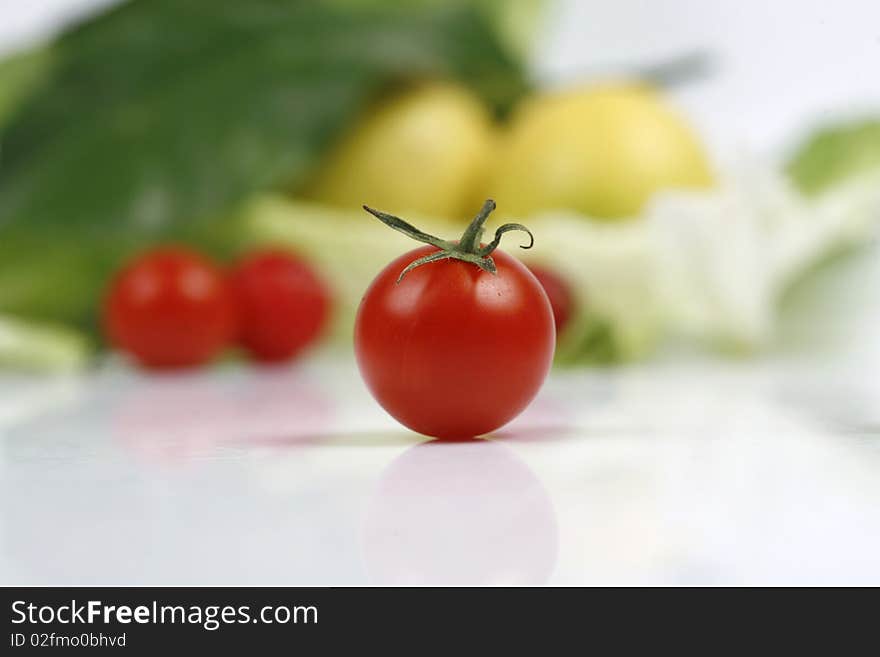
[282,304]
[453,351]
[170,307]
[559,292]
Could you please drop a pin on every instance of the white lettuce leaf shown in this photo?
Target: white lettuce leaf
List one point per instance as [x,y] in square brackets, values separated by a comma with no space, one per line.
[706,266]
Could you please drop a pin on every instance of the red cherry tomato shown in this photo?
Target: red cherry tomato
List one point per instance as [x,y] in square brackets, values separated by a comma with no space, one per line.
[452,350]
[170,307]
[282,304]
[559,293]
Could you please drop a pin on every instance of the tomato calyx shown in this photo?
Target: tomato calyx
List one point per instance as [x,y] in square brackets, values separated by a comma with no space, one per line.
[466,249]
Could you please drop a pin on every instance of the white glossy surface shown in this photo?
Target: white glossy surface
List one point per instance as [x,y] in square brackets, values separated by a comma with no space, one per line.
[670,474]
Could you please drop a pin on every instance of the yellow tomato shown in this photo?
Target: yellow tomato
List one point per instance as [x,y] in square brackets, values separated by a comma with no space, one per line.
[602,151]
[426,151]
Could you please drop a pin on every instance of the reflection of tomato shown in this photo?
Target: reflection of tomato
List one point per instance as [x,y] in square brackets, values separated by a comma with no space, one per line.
[172,420]
[282,304]
[452,350]
[559,293]
[466,513]
[425,151]
[601,151]
[177,419]
[170,308]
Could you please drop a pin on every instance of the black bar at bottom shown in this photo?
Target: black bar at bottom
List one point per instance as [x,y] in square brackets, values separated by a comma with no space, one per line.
[330,619]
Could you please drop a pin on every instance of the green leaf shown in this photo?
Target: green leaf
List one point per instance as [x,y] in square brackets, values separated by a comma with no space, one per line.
[41,347]
[835,154]
[19,75]
[610,272]
[159,117]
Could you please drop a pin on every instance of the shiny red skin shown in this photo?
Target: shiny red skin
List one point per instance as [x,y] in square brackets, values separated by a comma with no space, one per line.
[453,351]
[559,293]
[170,307]
[282,304]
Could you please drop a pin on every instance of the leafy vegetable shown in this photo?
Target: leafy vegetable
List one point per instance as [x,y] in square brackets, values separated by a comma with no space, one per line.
[710,266]
[157,117]
[19,74]
[608,266]
[37,346]
[835,154]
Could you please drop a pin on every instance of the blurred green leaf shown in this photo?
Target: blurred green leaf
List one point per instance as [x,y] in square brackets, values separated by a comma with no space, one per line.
[835,154]
[19,75]
[613,322]
[26,345]
[157,117]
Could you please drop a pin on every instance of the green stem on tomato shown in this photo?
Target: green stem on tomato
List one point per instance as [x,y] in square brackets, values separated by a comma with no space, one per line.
[467,249]
[470,240]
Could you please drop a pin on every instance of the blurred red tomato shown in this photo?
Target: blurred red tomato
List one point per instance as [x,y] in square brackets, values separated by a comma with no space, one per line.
[170,308]
[282,304]
[559,292]
[452,350]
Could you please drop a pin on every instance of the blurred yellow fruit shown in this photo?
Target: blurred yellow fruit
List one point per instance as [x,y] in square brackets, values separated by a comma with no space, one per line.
[426,151]
[602,151]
